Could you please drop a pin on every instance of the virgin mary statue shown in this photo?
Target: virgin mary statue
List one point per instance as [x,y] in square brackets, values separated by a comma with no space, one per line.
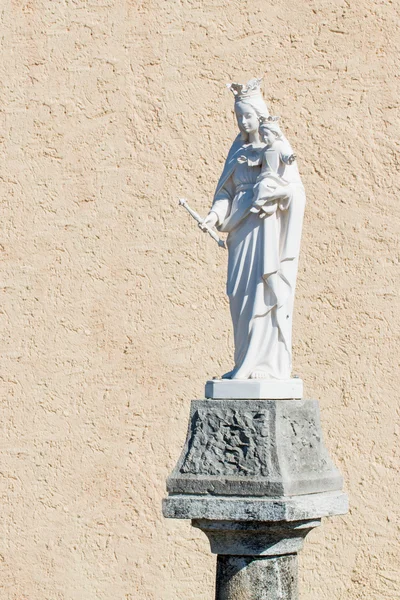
[259,202]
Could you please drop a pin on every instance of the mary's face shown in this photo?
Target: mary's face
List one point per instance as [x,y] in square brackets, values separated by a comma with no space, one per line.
[246,117]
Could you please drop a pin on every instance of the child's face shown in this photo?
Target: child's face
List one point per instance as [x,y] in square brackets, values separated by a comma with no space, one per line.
[267,136]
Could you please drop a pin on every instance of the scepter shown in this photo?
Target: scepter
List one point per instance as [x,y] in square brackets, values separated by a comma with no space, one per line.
[197,217]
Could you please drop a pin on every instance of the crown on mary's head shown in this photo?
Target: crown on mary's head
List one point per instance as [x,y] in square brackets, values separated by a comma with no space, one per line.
[245,90]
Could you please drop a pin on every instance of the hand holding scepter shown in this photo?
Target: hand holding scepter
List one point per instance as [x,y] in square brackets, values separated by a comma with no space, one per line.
[200,221]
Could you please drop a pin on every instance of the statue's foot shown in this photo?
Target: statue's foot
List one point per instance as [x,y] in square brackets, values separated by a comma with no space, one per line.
[228,375]
[260,375]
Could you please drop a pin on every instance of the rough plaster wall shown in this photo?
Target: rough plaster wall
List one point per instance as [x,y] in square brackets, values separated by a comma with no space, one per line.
[113,311]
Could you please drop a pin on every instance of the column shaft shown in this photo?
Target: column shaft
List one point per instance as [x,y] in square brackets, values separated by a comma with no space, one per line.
[257,577]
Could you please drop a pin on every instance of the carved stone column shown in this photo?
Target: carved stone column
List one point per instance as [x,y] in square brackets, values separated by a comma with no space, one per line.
[255,476]
[257,578]
[256,560]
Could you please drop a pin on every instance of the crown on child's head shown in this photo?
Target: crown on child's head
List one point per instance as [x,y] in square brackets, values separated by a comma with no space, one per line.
[268,120]
[245,90]
[271,123]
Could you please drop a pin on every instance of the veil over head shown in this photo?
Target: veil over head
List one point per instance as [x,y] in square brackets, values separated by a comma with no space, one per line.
[257,103]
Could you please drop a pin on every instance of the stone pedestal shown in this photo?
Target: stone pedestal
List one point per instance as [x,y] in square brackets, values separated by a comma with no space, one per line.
[255,476]
[254,448]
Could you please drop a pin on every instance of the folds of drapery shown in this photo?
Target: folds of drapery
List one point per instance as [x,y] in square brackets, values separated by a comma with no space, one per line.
[262,270]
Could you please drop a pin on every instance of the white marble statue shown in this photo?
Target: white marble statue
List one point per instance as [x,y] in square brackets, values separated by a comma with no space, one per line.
[260,203]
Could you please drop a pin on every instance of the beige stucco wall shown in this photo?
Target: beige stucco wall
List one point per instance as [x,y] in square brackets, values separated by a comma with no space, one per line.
[113,311]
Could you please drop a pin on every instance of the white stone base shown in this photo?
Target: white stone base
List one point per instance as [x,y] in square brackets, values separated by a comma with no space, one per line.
[254,389]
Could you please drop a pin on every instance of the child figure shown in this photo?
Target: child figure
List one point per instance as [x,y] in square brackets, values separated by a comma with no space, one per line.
[271,190]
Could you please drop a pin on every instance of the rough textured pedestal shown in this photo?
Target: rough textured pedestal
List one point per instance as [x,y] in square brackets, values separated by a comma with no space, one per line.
[255,477]
[254,448]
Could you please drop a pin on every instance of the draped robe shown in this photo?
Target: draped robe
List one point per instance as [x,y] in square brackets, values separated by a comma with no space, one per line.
[262,264]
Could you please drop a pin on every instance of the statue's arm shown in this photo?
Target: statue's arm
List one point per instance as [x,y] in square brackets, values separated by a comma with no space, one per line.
[287,155]
[288,159]
[223,201]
